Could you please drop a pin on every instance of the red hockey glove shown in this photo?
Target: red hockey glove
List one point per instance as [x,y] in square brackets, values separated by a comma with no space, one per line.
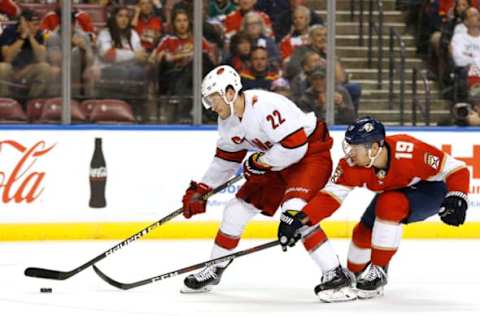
[192,199]
[252,169]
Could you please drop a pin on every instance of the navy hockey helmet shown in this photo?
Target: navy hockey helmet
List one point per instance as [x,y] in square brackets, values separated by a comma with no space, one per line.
[365,130]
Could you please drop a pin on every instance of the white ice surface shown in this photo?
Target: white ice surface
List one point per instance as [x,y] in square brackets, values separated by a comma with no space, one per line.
[426,278]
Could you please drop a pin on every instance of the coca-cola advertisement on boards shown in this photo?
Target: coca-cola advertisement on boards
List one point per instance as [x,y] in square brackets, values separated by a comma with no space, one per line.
[98,177]
[21,181]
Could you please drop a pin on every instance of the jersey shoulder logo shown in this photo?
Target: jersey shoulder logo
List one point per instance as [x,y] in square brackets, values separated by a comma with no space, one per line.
[432,161]
[237,140]
[254,100]
[337,174]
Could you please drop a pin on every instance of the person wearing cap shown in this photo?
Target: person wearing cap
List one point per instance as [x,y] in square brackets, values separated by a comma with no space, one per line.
[282,87]
[314,99]
[24,57]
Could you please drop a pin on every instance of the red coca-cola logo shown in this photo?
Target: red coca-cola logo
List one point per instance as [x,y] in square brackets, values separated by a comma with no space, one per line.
[22,183]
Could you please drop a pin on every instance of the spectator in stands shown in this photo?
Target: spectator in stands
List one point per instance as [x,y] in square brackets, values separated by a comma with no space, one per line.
[298,36]
[184,5]
[24,57]
[317,38]
[52,20]
[213,32]
[240,49]
[147,25]
[300,82]
[174,56]
[281,86]
[9,8]
[285,20]
[261,74]
[465,48]
[233,21]
[440,40]
[317,35]
[473,117]
[314,99]
[219,9]
[119,68]
[274,10]
[82,57]
[446,8]
[467,113]
[212,29]
[254,26]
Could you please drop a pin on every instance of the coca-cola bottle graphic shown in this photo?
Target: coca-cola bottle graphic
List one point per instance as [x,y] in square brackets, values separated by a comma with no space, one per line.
[98,177]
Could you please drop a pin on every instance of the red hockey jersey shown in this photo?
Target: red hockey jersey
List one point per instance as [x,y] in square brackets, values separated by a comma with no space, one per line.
[410,161]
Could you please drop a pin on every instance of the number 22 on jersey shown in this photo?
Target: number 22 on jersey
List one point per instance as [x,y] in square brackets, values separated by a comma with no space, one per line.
[404,150]
[275,118]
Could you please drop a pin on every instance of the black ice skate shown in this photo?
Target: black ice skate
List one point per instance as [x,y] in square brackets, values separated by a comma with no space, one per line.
[371,282]
[204,280]
[336,286]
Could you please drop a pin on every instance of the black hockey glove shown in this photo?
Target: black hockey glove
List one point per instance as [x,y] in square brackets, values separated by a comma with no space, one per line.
[290,223]
[453,209]
[252,169]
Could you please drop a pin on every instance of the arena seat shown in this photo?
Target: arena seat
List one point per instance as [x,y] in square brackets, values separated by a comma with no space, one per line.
[109,111]
[52,112]
[34,109]
[11,111]
[97,13]
[40,8]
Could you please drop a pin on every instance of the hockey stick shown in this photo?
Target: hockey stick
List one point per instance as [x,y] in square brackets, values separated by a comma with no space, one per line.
[127,286]
[62,275]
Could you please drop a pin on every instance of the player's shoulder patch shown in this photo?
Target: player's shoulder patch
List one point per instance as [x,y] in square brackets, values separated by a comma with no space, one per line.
[432,160]
[254,100]
[337,174]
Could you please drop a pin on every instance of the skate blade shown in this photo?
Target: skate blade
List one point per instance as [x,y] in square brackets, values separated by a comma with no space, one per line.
[344,294]
[187,290]
[365,295]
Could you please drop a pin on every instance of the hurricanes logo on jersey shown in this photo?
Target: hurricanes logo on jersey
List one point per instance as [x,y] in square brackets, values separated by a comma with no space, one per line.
[432,161]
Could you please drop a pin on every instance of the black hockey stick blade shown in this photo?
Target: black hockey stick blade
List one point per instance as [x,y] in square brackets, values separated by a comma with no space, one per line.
[63,275]
[127,286]
[46,273]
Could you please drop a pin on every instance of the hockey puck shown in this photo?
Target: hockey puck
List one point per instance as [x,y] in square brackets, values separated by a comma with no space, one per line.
[46,290]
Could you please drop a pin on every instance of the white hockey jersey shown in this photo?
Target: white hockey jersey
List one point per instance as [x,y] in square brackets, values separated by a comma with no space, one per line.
[272,124]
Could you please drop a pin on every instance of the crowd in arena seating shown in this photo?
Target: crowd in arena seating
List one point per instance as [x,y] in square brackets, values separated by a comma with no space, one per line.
[449,36]
[141,52]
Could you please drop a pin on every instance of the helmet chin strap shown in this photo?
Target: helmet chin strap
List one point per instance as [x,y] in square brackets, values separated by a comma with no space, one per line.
[372,159]
[231,103]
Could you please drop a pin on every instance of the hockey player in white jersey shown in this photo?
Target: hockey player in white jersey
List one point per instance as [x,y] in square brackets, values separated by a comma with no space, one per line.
[289,147]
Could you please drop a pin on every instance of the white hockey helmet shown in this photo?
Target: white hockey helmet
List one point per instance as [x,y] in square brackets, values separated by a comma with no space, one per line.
[217,81]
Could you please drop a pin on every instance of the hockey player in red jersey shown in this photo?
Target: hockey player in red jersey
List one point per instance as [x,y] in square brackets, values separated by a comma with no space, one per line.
[289,146]
[413,181]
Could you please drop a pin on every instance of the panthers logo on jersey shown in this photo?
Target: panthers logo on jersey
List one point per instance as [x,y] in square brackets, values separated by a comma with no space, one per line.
[337,174]
[432,161]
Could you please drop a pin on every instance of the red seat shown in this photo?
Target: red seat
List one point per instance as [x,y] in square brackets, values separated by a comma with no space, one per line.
[88,105]
[11,111]
[109,111]
[97,13]
[39,8]
[52,111]
[34,109]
